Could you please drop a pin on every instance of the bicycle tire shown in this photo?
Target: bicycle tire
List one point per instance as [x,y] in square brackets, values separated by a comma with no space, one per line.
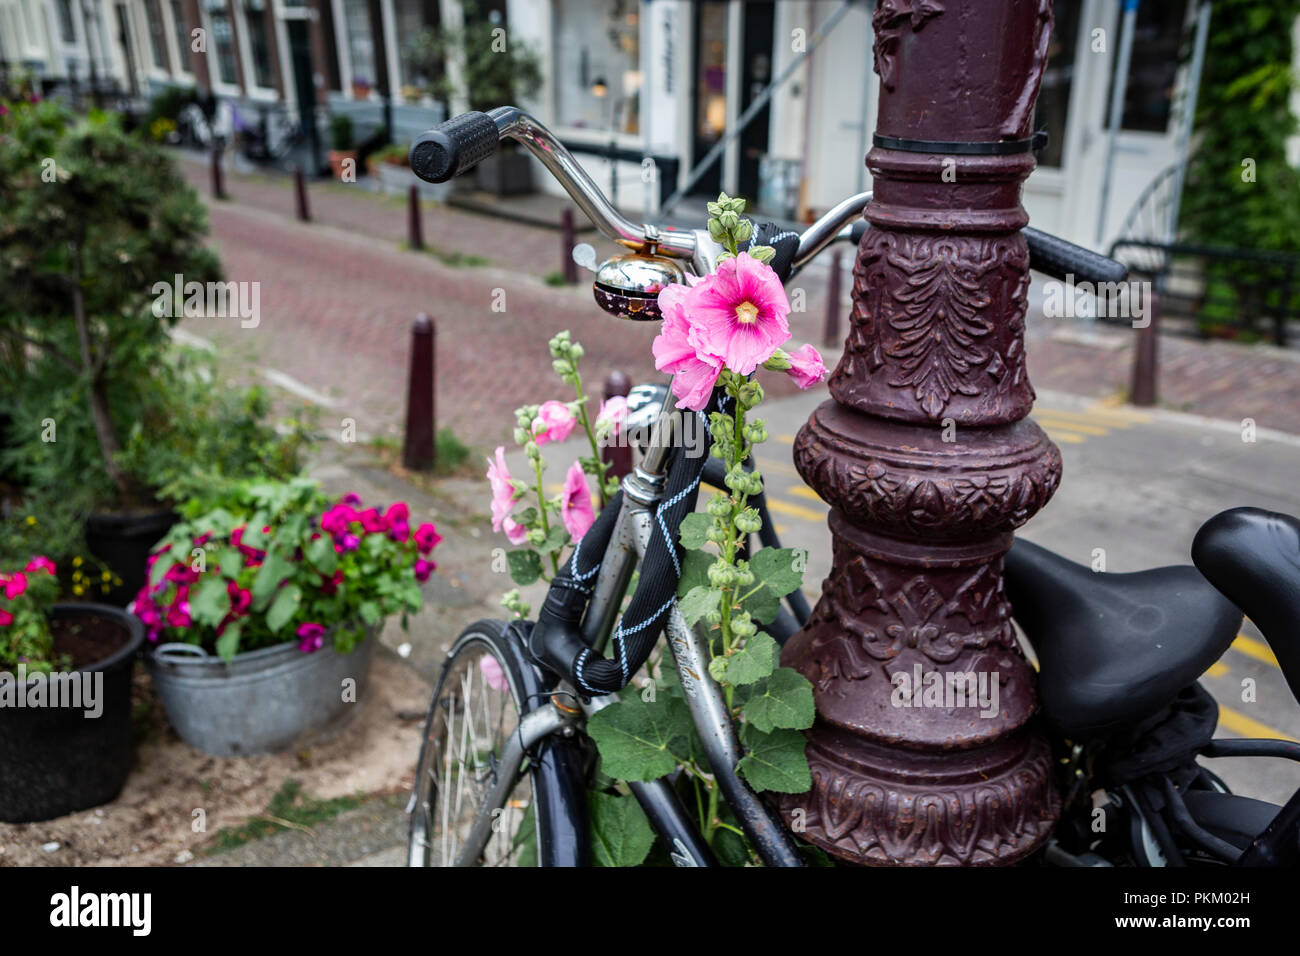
[549,790]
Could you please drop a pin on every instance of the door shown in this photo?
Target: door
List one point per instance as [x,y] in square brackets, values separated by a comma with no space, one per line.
[758,24]
[710,97]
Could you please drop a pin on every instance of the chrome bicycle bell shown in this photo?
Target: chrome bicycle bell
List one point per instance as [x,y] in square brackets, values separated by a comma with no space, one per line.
[628,285]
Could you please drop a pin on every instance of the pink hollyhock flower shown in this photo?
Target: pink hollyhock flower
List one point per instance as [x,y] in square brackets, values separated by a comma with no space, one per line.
[310,637]
[515,532]
[806,366]
[6,618]
[426,538]
[503,492]
[554,422]
[575,502]
[40,563]
[612,414]
[694,374]
[423,569]
[739,314]
[16,585]
[492,672]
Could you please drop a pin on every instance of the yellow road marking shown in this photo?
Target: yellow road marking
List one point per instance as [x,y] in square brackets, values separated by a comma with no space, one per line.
[1256,649]
[796,511]
[1239,723]
[780,528]
[1069,438]
[803,491]
[784,439]
[1049,420]
[778,468]
[1131,415]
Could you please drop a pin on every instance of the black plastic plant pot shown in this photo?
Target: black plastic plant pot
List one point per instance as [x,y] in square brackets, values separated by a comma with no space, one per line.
[60,759]
[123,542]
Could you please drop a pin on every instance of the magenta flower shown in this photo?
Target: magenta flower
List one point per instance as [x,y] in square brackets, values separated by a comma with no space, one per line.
[398,517]
[575,502]
[426,538]
[310,637]
[240,598]
[423,569]
[330,586]
[373,521]
[694,374]
[40,563]
[400,531]
[352,499]
[349,542]
[554,422]
[806,366]
[15,586]
[6,618]
[739,314]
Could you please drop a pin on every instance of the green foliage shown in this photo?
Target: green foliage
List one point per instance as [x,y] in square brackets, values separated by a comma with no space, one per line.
[26,592]
[495,68]
[341,135]
[620,833]
[395,154]
[1243,113]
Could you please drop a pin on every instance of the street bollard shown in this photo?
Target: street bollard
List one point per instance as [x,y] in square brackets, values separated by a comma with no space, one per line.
[414,226]
[618,451]
[218,185]
[928,462]
[300,195]
[567,239]
[831,336]
[1142,388]
[419,451]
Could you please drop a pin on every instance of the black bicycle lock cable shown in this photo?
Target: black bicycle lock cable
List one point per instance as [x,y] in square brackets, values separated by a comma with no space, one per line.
[556,641]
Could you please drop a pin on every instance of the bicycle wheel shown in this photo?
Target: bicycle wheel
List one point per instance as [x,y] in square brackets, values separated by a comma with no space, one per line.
[478,703]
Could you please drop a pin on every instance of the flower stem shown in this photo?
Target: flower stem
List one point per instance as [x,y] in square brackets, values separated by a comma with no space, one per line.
[541,507]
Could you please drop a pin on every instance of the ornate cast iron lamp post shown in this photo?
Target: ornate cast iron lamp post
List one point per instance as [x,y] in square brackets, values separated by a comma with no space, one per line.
[929,463]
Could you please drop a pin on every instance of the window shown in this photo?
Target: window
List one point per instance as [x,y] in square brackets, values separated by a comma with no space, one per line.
[154,24]
[257,15]
[598,58]
[1153,68]
[182,35]
[67,31]
[223,42]
[413,17]
[1058,81]
[361,45]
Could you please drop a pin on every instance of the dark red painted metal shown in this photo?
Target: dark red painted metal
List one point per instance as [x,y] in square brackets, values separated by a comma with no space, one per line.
[618,452]
[568,236]
[300,195]
[414,221]
[831,334]
[218,183]
[1146,361]
[928,462]
[419,450]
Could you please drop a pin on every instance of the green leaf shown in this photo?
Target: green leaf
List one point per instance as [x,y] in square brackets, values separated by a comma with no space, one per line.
[756,660]
[640,740]
[781,569]
[210,602]
[620,833]
[695,571]
[698,603]
[762,605]
[274,569]
[525,566]
[775,761]
[231,562]
[164,564]
[555,539]
[526,840]
[322,555]
[695,529]
[783,700]
[228,642]
[283,607]
[370,612]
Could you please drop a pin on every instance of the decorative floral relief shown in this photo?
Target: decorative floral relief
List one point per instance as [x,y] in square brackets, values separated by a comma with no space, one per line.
[888,22]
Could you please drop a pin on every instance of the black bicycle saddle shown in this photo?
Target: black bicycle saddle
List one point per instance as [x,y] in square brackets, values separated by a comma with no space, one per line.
[1114,648]
[1253,557]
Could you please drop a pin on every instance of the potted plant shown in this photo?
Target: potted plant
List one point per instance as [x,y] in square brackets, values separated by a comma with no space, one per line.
[261,612]
[342,144]
[493,77]
[65,697]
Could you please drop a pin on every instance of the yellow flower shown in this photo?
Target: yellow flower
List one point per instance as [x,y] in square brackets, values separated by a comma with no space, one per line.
[78,590]
[31,520]
[106,576]
[77,562]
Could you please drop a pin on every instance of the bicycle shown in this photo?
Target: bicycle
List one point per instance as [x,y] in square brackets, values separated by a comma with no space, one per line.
[505,762]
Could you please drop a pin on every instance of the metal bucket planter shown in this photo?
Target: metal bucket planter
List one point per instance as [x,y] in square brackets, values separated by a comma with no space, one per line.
[263,701]
[60,760]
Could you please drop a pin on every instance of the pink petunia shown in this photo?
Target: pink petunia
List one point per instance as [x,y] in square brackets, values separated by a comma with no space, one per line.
[694,374]
[373,521]
[554,422]
[426,538]
[806,366]
[6,618]
[575,502]
[310,637]
[738,314]
[16,586]
[423,569]
[240,598]
[349,542]
[40,563]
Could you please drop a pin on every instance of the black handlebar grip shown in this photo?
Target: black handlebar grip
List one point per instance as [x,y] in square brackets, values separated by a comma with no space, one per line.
[1053,256]
[452,147]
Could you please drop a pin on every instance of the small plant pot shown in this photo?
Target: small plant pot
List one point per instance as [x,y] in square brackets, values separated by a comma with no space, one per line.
[338,157]
[505,174]
[263,701]
[123,543]
[60,760]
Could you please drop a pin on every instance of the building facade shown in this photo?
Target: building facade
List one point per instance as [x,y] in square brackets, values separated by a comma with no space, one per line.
[647,78]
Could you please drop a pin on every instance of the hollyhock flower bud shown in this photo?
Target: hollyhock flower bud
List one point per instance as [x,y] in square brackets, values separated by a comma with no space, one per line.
[806,366]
